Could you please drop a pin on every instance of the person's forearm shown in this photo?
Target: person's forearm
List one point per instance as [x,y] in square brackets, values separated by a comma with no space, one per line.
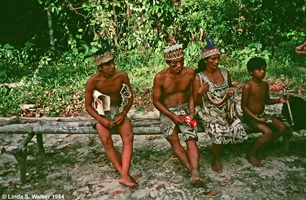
[249,113]
[92,112]
[197,100]
[273,101]
[128,106]
[191,108]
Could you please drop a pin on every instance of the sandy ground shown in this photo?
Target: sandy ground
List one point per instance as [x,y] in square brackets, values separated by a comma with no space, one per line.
[76,167]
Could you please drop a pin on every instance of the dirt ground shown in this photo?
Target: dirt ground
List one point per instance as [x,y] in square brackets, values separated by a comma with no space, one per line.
[76,167]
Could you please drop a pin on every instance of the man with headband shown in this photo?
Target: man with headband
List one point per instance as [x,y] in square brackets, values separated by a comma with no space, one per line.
[106,102]
[172,96]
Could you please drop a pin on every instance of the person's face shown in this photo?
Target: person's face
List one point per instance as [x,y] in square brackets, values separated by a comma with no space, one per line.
[107,68]
[213,61]
[259,73]
[176,65]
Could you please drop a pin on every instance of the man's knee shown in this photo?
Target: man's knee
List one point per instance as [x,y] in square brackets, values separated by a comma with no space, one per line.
[267,133]
[128,138]
[173,139]
[126,135]
[105,139]
[104,134]
[283,128]
[191,142]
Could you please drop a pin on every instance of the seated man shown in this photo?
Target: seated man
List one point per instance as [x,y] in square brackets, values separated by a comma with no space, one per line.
[173,97]
[108,82]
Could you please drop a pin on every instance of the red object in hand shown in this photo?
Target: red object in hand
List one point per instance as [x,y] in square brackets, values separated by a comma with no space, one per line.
[190,122]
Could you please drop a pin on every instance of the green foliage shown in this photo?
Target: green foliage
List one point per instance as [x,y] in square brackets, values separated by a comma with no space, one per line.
[250,51]
[52,84]
[141,67]
[140,31]
[259,20]
[16,63]
[11,101]
[192,54]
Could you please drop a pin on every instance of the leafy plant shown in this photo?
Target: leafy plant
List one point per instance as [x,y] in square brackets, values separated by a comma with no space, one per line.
[54,77]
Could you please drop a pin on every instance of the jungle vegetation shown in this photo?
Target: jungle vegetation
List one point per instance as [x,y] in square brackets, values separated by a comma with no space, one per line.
[46,45]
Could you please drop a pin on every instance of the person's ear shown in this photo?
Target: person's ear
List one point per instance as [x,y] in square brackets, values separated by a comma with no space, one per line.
[168,62]
[99,67]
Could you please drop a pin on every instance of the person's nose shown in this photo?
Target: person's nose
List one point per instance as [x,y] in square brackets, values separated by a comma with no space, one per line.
[112,66]
[179,65]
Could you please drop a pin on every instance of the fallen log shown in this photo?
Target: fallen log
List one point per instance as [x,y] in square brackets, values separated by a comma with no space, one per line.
[70,125]
[148,125]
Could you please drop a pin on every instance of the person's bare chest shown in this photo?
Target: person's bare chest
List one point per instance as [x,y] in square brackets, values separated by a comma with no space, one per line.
[176,85]
[109,87]
[258,92]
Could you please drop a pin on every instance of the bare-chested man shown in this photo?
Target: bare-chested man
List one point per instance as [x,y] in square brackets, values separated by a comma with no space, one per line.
[109,81]
[173,97]
[255,95]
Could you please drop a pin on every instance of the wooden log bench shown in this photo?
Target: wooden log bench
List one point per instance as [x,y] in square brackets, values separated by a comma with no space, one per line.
[77,125]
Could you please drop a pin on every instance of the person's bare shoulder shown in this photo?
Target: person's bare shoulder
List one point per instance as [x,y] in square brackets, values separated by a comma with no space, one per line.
[189,70]
[121,74]
[120,77]
[159,78]
[161,74]
[118,72]
[266,85]
[196,77]
[247,85]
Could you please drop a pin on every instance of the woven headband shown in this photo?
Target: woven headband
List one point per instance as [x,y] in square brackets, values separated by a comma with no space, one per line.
[210,49]
[173,52]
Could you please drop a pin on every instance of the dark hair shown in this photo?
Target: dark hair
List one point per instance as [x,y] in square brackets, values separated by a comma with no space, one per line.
[201,66]
[107,63]
[255,63]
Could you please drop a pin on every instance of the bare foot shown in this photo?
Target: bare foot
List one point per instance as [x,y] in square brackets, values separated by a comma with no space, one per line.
[253,160]
[216,166]
[132,178]
[235,150]
[196,179]
[128,181]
